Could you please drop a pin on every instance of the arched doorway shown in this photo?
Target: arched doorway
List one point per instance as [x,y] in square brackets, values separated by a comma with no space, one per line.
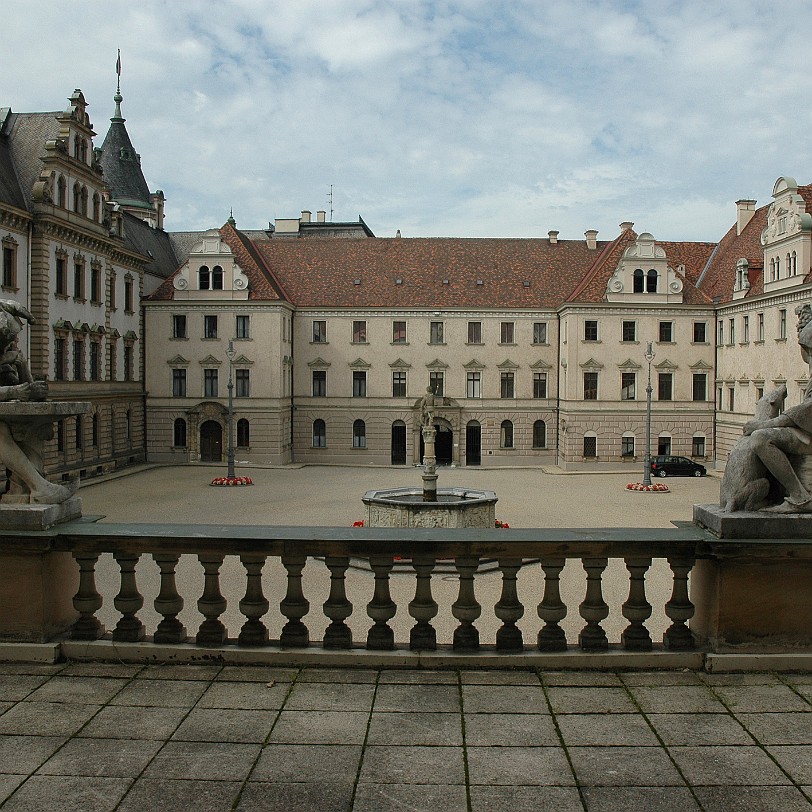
[398,455]
[443,444]
[473,443]
[211,442]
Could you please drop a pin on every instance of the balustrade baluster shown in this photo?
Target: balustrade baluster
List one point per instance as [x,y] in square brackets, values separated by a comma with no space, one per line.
[465,608]
[168,603]
[294,605]
[211,604]
[552,610]
[593,609]
[423,636]
[129,600]
[87,600]
[337,608]
[637,610]
[254,605]
[679,609]
[381,608]
[508,609]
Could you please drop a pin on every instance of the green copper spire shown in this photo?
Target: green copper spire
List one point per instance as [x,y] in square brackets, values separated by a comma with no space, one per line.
[231,220]
[118,98]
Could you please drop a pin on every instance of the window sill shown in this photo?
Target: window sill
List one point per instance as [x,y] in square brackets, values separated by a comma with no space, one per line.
[63,296]
[629,341]
[591,341]
[507,344]
[474,343]
[540,343]
[399,343]
[701,343]
[243,338]
[665,342]
[780,340]
[209,338]
[436,344]
[356,342]
[11,288]
[96,303]
[179,338]
[320,343]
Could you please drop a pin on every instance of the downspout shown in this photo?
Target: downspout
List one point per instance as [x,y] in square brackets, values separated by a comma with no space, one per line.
[28,256]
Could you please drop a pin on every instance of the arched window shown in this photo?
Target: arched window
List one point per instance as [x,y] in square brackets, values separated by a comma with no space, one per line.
[83,201]
[794,264]
[651,281]
[664,444]
[627,444]
[77,197]
[359,434]
[83,151]
[243,433]
[778,267]
[638,280]
[179,437]
[203,277]
[772,270]
[539,434]
[319,434]
[506,434]
[94,430]
[590,444]
[216,278]
[76,142]
[61,192]
[698,445]
[96,208]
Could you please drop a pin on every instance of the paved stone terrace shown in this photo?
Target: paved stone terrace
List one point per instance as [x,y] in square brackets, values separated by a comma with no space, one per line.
[95,737]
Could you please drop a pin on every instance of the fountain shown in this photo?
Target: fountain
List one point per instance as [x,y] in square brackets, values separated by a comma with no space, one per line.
[429,506]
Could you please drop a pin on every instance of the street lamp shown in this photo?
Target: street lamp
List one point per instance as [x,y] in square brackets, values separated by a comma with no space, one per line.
[649,356]
[230,354]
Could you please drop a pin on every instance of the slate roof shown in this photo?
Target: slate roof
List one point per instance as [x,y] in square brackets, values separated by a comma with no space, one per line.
[151,242]
[122,167]
[10,192]
[27,134]
[323,273]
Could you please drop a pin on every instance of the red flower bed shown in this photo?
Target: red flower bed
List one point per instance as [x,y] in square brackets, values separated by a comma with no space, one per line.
[235,480]
[656,487]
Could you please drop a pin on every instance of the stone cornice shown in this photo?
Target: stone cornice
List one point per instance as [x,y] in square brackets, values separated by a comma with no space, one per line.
[17,219]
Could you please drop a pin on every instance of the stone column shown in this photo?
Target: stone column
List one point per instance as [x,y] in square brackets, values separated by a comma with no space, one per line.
[430,465]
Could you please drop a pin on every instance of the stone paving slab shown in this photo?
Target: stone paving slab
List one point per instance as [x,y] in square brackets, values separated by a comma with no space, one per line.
[97,737]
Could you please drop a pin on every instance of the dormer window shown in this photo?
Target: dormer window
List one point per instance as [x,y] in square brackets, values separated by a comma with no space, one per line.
[638,280]
[204,277]
[76,142]
[651,281]
[61,192]
[782,224]
[216,278]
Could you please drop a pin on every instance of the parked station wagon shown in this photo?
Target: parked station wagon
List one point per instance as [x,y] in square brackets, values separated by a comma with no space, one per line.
[666,465]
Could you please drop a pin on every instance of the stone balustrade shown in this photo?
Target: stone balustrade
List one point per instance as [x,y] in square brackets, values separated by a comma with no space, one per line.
[418,555]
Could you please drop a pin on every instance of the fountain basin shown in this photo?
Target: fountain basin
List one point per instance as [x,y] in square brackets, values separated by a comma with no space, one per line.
[452,507]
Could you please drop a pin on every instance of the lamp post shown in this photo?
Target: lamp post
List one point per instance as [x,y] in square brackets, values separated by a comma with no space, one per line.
[649,356]
[230,354]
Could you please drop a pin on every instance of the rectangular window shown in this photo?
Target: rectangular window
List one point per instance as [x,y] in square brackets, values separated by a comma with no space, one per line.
[590,385]
[61,276]
[436,333]
[700,386]
[319,383]
[700,332]
[666,332]
[359,383]
[78,360]
[539,384]
[473,384]
[178,326]
[665,386]
[782,324]
[628,385]
[59,359]
[398,332]
[761,327]
[590,447]
[629,331]
[95,357]
[319,332]
[209,326]
[506,333]
[539,332]
[474,332]
[627,446]
[698,447]
[79,280]
[242,383]
[178,383]
[243,327]
[9,266]
[590,330]
[95,285]
[731,399]
[507,387]
[731,334]
[721,337]
[128,295]
[210,383]
[436,382]
[719,398]
[112,289]
[128,362]
[60,435]
[359,332]
[398,384]
[746,329]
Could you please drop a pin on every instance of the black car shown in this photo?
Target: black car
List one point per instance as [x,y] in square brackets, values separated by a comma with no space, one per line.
[666,465]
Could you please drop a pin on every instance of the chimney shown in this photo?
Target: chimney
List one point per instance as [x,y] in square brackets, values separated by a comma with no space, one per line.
[553,235]
[305,216]
[397,234]
[591,239]
[627,226]
[321,216]
[745,209]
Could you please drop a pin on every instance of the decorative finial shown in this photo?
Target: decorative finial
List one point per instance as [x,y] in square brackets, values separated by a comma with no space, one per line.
[118,98]
[231,220]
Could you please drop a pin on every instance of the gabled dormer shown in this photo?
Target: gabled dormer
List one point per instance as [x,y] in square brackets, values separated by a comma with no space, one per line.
[787,237]
[211,272]
[644,275]
[741,285]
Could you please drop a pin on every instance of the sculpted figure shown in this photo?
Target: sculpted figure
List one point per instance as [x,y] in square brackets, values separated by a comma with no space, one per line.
[746,483]
[427,407]
[775,440]
[17,384]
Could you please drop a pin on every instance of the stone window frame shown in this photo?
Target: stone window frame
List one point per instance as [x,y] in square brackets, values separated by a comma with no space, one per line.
[401,383]
[318,438]
[540,381]
[539,434]
[129,293]
[177,435]
[359,331]
[399,331]
[540,333]
[61,274]
[624,336]
[473,384]
[242,327]
[319,334]
[507,332]
[591,331]
[474,333]
[79,280]
[96,282]
[507,435]
[10,248]
[242,383]
[180,382]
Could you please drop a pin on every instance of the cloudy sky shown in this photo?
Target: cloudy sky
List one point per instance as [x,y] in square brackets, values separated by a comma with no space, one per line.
[469,118]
